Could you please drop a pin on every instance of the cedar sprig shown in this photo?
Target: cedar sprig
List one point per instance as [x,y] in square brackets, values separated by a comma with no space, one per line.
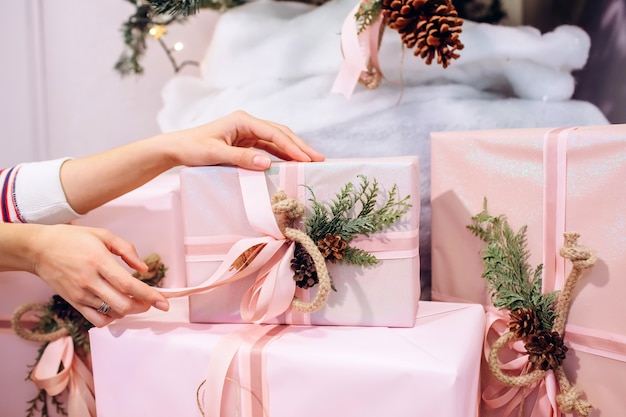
[512,282]
[367,14]
[353,213]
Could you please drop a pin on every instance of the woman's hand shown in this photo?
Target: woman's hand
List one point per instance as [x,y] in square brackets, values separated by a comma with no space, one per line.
[230,140]
[81,265]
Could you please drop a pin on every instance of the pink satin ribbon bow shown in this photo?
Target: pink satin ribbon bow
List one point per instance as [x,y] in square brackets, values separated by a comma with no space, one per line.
[358,50]
[74,375]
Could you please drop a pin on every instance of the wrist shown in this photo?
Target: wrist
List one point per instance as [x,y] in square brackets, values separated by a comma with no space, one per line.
[20,246]
[167,151]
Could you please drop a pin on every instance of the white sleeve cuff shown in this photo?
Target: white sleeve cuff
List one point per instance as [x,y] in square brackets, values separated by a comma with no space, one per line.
[39,194]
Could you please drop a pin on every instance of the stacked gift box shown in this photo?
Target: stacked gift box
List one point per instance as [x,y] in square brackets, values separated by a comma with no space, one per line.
[372,348]
[231,349]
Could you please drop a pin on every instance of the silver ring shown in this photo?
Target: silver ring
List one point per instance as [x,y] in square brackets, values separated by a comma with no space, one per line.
[104,308]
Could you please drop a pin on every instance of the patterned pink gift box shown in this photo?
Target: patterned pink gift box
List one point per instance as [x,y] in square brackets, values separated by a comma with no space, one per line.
[552,180]
[224,206]
[155,365]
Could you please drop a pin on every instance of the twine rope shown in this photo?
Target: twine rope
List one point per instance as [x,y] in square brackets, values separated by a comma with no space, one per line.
[27,334]
[569,399]
[289,211]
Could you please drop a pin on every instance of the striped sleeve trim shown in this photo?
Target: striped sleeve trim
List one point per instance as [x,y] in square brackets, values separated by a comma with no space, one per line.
[8,206]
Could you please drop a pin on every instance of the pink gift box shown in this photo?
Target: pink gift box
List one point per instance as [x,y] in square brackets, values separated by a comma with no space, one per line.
[149,217]
[215,218]
[581,173]
[150,366]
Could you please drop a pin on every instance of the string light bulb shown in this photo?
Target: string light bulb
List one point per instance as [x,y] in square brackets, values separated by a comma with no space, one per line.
[178,46]
[157,31]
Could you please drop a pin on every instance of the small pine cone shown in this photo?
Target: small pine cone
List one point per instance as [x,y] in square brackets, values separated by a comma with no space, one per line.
[303,267]
[546,349]
[332,247]
[524,323]
[155,273]
[431,26]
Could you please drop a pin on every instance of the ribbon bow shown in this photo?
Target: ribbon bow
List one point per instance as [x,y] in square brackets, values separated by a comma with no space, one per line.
[269,256]
[569,400]
[59,367]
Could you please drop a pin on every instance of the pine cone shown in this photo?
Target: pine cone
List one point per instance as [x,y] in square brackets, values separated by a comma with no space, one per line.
[546,349]
[303,266]
[155,273]
[332,247]
[431,26]
[524,323]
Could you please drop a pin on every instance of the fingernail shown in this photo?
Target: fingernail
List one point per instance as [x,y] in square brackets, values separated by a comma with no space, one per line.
[162,305]
[261,161]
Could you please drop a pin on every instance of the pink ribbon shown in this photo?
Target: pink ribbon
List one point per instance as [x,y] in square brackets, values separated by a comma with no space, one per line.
[495,395]
[357,49]
[237,366]
[75,376]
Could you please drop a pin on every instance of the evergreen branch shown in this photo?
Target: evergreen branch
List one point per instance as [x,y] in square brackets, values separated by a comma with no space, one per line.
[511,280]
[191,7]
[339,216]
[367,14]
[356,256]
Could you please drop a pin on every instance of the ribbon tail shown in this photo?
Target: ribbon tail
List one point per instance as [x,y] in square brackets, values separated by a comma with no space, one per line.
[82,402]
[227,272]
[273,292]
[355,55]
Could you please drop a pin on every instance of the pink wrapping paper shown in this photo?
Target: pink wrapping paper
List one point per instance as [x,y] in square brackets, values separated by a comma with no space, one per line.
[507,167]
[148,366]
[386,294]
[149,218]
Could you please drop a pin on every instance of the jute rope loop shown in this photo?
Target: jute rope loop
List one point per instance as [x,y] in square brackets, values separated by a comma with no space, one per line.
[28,334]
[290,210]
[569,399]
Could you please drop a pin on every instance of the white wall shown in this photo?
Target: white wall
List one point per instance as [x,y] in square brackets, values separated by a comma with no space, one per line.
[59,93]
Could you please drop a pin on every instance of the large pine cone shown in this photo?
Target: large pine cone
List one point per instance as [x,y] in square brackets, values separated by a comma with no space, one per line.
[546,350]
[431,26]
